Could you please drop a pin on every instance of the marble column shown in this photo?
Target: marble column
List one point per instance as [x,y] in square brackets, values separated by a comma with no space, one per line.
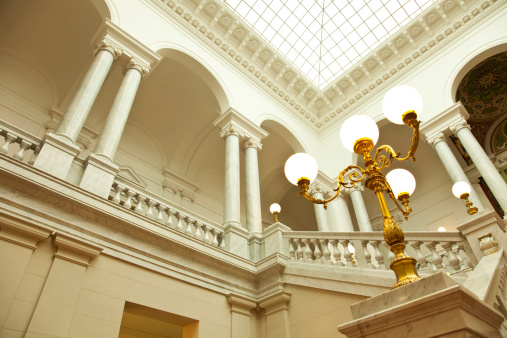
[338,213]
[100,170]
[452,165]
[73,120]
[252,188]
[363,220]
[117,118]
[317,191]
[482,162]
[232,177]
[59,149]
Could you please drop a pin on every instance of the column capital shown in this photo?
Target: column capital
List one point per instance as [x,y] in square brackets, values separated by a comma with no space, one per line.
[241,304]
[441,122]
[74,250]
[252,143]
[110,46]
[317,188]
[277,302]
[233,123]
[126,48]
[357,187]
[458,125]
[435,138]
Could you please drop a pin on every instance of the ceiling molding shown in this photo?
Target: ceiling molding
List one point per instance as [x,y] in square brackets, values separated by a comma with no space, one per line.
[226,34]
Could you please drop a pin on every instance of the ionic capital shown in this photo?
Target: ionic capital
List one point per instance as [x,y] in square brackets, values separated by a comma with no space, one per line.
[434,139]
[357,187]
[252,143]
[317,188]
[138,65]
[107,44]
[460,124]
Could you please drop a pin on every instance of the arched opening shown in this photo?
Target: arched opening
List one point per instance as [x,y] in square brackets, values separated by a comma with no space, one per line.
[297,213]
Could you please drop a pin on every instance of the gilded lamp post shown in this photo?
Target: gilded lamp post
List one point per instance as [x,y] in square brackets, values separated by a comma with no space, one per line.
[359,134]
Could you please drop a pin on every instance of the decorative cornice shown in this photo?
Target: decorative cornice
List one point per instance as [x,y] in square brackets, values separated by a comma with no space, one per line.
[222,31]
[131,52]
[443,121]
[233,123]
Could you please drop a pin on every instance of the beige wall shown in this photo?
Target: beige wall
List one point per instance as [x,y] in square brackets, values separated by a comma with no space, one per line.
[316,313]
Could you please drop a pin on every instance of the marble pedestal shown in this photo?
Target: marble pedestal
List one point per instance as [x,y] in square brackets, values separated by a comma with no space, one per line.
[98,176]
[435,306]
[56,156]
[236,240]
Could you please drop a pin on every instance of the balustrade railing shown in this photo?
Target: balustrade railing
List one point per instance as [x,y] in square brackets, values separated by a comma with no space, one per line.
[18,143]
[434,251]
[152,206]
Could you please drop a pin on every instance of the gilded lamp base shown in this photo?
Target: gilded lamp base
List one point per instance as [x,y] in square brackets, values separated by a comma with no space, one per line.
[403,266]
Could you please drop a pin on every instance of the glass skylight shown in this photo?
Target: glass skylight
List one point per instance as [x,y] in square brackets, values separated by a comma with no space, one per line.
[324,38]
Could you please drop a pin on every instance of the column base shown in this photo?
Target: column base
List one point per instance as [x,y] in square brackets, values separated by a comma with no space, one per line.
[434,306]
[98,176]
[236,240]
[56,155]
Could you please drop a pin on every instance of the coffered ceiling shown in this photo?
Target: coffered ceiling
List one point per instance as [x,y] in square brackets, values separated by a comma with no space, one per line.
[313,84]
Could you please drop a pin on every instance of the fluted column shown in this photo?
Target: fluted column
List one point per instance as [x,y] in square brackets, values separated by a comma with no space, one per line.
[232,177]
[363,220]
[73,120]
[338,213]
[452,165]
[252,188]
[317,191]
[482,162]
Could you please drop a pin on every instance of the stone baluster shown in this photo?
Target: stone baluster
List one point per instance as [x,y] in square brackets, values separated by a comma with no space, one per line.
[390,255]
[149,213]
[421,260]
[189,230]
[4,149]
[292,250]
[308,251]
[378,255]
[346,253]
[325,251]
[469,264]
[139,207]
[198,227]
[367,254]
[206,229]
[222,240]
[128,201]
[117,196]
[160,215]
[336,252]
[36,152]
[299,250]
[435,260]
[316,251]
[23,147]
[451,256]
[214,236]
[170,214]
[179,225]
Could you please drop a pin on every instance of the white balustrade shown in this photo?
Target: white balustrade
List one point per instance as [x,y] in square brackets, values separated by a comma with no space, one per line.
[187,223]
[434,251]
[19,144]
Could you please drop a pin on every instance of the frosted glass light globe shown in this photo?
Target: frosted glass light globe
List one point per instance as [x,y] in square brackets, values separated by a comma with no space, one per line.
[401,181]
[399,100]
[441,229]
[356,127]
[301,165]
[460,188]
[275,207]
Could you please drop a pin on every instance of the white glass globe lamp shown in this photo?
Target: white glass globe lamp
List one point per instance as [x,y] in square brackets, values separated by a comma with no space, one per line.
[275,207]
[460,188]
[300,166]
[402,182]
[399,100]
[358,127]
[441,229]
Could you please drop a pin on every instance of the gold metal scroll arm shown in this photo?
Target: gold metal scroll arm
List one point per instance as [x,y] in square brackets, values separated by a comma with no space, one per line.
[403,199]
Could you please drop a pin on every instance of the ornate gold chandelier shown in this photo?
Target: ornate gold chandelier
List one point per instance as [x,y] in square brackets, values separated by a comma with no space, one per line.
[359,134]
